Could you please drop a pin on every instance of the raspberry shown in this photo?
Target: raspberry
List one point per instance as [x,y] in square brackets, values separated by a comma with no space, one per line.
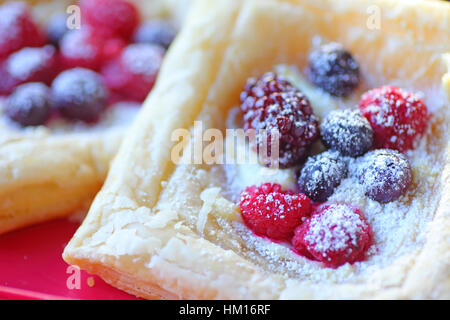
[335,234]
[17,29]
[33,65]
[80,94]
[333,69]
[85,48]
[397,117]
[155,32]
[29,104]
[133,74]
[111,18]
[321,174]
[271,212]
[347,132]
[272,103]
[82,48]
[385,174]
[57,28]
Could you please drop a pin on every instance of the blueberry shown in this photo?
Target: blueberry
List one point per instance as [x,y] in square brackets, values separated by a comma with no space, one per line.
[80,94]
[333,69]
[155,32]
[384,174]
[347,131]
[57,28]
[321,174]
[29,104]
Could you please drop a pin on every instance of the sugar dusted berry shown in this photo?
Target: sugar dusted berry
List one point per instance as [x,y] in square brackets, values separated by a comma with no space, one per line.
[111,18]
[347,132]
[29,104]
[17,29]
[271,104]
[385,174]
[157,32]
[269,211]
[33,65]
[80,94]
[82,48]
[133,73]
[398,117]
[57,28]
[321,175]
[335,234]
[333,69]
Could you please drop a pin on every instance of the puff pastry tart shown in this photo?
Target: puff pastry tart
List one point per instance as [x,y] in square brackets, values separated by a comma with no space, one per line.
[66,97]
[356,205]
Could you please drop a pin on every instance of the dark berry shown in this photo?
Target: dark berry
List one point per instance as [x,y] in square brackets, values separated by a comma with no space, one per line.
[155,32]
[398,117]
[269,211]
[17,29]
[333,69]
[57,28]
[321,175]
[80,94]
[347,132]
[111,18]
[335,234]
[385,175]
[133,73]
[271,104]
[29,104]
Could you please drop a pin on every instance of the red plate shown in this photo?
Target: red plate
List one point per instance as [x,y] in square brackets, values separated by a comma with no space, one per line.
[31,267]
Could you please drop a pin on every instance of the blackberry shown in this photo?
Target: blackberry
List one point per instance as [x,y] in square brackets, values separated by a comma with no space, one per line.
[29,104]
[333,69]
[272,103]
[347,132]
[155,32]
[80,94]
[385,175]
[57,28]
[321,174]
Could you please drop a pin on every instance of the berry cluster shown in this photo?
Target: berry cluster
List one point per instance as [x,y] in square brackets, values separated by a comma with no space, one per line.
[388,120]
[333,234]
[388,117]
[79,71]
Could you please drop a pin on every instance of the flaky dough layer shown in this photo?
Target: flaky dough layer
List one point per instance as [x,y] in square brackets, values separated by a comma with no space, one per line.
[45,176]
[140,233]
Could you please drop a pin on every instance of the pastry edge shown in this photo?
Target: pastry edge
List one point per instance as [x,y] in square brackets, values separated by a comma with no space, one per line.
[410,288]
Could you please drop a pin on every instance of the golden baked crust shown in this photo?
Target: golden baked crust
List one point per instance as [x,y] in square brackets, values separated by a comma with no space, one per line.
[142,233]
[45,175]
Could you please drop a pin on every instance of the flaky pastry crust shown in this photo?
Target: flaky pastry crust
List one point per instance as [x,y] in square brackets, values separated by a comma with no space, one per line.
[45,175]
[140,234]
